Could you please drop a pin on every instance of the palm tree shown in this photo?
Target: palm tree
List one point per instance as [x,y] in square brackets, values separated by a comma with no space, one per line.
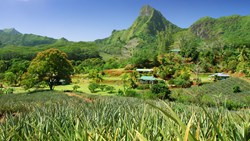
[243,56]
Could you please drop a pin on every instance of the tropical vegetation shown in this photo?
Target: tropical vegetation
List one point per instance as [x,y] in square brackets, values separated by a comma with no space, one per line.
[55,89]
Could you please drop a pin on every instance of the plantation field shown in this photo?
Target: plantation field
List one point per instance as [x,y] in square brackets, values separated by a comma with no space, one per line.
[57,116]
[217,93]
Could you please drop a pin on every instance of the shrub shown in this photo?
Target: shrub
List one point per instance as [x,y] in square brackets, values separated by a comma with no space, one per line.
[10,78]
[9,91]
[236,89]
[129,67]
[130,93]
[163,75]
[197,81]
[133,84]
[233,105]
[1,76]
[1,91]
[143,87]
[120,92]
[75,87]
[92,87]
[161,89]
[180,82]
[110,89]
[102,87]
[183,83]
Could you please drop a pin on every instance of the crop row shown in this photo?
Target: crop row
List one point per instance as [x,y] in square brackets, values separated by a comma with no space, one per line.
[220,92]
[59,117]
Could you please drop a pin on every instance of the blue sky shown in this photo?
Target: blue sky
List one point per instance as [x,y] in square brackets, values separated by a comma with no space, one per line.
[87,20]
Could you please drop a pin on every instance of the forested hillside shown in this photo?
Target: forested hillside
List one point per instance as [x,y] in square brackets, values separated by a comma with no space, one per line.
[13,37]
[141,35]
[232,30]
[217,44]
[214,44]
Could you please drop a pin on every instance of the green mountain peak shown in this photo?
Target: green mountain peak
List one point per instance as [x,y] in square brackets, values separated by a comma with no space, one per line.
[144,29]
[10,36]
[148,23]
[146,10]
[11,31]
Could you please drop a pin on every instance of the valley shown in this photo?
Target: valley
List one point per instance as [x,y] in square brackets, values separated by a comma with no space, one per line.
[152,81]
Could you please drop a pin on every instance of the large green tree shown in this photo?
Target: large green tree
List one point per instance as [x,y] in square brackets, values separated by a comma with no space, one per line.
[49,66]
[18,68]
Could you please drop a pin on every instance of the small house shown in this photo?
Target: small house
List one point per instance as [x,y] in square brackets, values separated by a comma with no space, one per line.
[148,80]
[144,70]
[220,76]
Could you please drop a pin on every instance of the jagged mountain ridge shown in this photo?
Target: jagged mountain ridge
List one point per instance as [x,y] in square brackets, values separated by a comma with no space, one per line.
[149,22]
[233,30]
[144,29]
[230,30]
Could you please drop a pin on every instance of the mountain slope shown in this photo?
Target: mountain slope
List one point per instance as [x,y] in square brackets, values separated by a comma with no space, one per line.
[12,37]
[25,46]
[149,35]
[10,31]
[144,30]
[149,22]
[231,29]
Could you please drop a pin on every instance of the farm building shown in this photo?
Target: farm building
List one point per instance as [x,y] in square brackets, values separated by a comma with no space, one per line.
[144,70]
[220,76]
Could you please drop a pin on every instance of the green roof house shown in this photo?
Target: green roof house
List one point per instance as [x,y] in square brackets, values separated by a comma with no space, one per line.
[148,80]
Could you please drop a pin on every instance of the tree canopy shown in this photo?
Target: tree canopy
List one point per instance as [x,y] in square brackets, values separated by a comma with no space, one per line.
[49,66]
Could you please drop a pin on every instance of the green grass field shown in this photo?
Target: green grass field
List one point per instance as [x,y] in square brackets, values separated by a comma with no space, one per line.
[204,77]
[54,115]
[210,94]
[81,81]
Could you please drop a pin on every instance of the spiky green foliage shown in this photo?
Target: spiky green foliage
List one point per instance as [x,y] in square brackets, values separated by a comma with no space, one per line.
[56,116]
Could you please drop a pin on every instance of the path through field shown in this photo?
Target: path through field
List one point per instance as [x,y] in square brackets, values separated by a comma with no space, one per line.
[79,96]
[246,79]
